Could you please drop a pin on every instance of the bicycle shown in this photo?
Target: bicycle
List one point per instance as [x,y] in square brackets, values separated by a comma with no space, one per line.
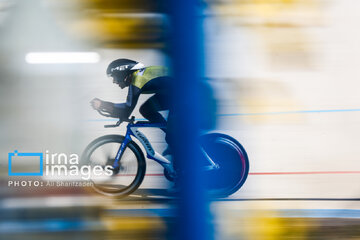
[225,160]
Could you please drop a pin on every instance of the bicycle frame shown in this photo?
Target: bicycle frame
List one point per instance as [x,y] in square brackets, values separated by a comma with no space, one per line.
[205,143]
[132,130]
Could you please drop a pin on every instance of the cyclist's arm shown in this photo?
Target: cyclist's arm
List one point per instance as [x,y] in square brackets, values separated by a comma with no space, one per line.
[123,110]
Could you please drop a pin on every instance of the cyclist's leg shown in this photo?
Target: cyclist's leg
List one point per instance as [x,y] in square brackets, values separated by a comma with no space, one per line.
[150,108]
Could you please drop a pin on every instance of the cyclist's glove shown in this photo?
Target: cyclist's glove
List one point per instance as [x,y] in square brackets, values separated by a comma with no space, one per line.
[110,108]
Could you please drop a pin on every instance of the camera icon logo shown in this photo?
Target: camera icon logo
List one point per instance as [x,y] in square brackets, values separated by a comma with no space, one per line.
[32,162]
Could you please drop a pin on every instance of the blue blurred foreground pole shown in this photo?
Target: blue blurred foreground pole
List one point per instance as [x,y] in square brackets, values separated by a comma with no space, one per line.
[186,44]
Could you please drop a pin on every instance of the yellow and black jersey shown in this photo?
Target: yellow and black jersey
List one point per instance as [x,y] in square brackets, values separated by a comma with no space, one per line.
[154,79]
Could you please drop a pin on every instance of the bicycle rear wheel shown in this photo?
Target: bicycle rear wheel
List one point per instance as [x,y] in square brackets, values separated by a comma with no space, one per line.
[232,160]
[129,176]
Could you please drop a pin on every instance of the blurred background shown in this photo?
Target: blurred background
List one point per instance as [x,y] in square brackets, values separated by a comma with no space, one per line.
[286,79]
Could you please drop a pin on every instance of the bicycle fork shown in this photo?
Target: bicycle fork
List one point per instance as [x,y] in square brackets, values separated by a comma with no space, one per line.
[121,151]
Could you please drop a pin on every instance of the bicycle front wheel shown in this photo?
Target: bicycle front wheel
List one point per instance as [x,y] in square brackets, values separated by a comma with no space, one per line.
[130,174]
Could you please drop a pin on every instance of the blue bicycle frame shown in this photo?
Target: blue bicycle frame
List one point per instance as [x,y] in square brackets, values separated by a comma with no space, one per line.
[132,130]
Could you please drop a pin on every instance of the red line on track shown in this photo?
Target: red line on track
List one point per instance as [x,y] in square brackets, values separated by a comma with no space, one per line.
[303,173]
[155,175]
[281,173]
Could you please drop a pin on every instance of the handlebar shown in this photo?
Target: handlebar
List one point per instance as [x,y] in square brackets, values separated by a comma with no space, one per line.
[130,120]
[113,125]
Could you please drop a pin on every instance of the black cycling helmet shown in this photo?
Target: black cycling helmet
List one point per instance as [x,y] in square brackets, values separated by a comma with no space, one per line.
[120,69]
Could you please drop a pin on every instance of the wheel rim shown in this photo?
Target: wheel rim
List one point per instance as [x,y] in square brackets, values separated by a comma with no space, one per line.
[105,155]
[232,162]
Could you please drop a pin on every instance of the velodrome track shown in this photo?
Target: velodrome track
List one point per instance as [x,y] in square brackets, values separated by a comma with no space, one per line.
[299,125]
[305,172]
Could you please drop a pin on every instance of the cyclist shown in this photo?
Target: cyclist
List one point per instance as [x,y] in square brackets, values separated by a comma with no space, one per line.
[140,80]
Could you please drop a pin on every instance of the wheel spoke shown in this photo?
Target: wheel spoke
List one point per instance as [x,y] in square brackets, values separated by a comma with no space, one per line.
[130,173]
[232,164]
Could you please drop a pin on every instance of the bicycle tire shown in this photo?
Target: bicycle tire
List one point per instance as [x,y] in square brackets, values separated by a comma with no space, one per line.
[233,168]
[141,169]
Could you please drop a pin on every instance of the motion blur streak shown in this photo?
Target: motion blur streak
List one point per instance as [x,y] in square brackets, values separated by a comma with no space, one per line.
[61,57]
[285,74]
